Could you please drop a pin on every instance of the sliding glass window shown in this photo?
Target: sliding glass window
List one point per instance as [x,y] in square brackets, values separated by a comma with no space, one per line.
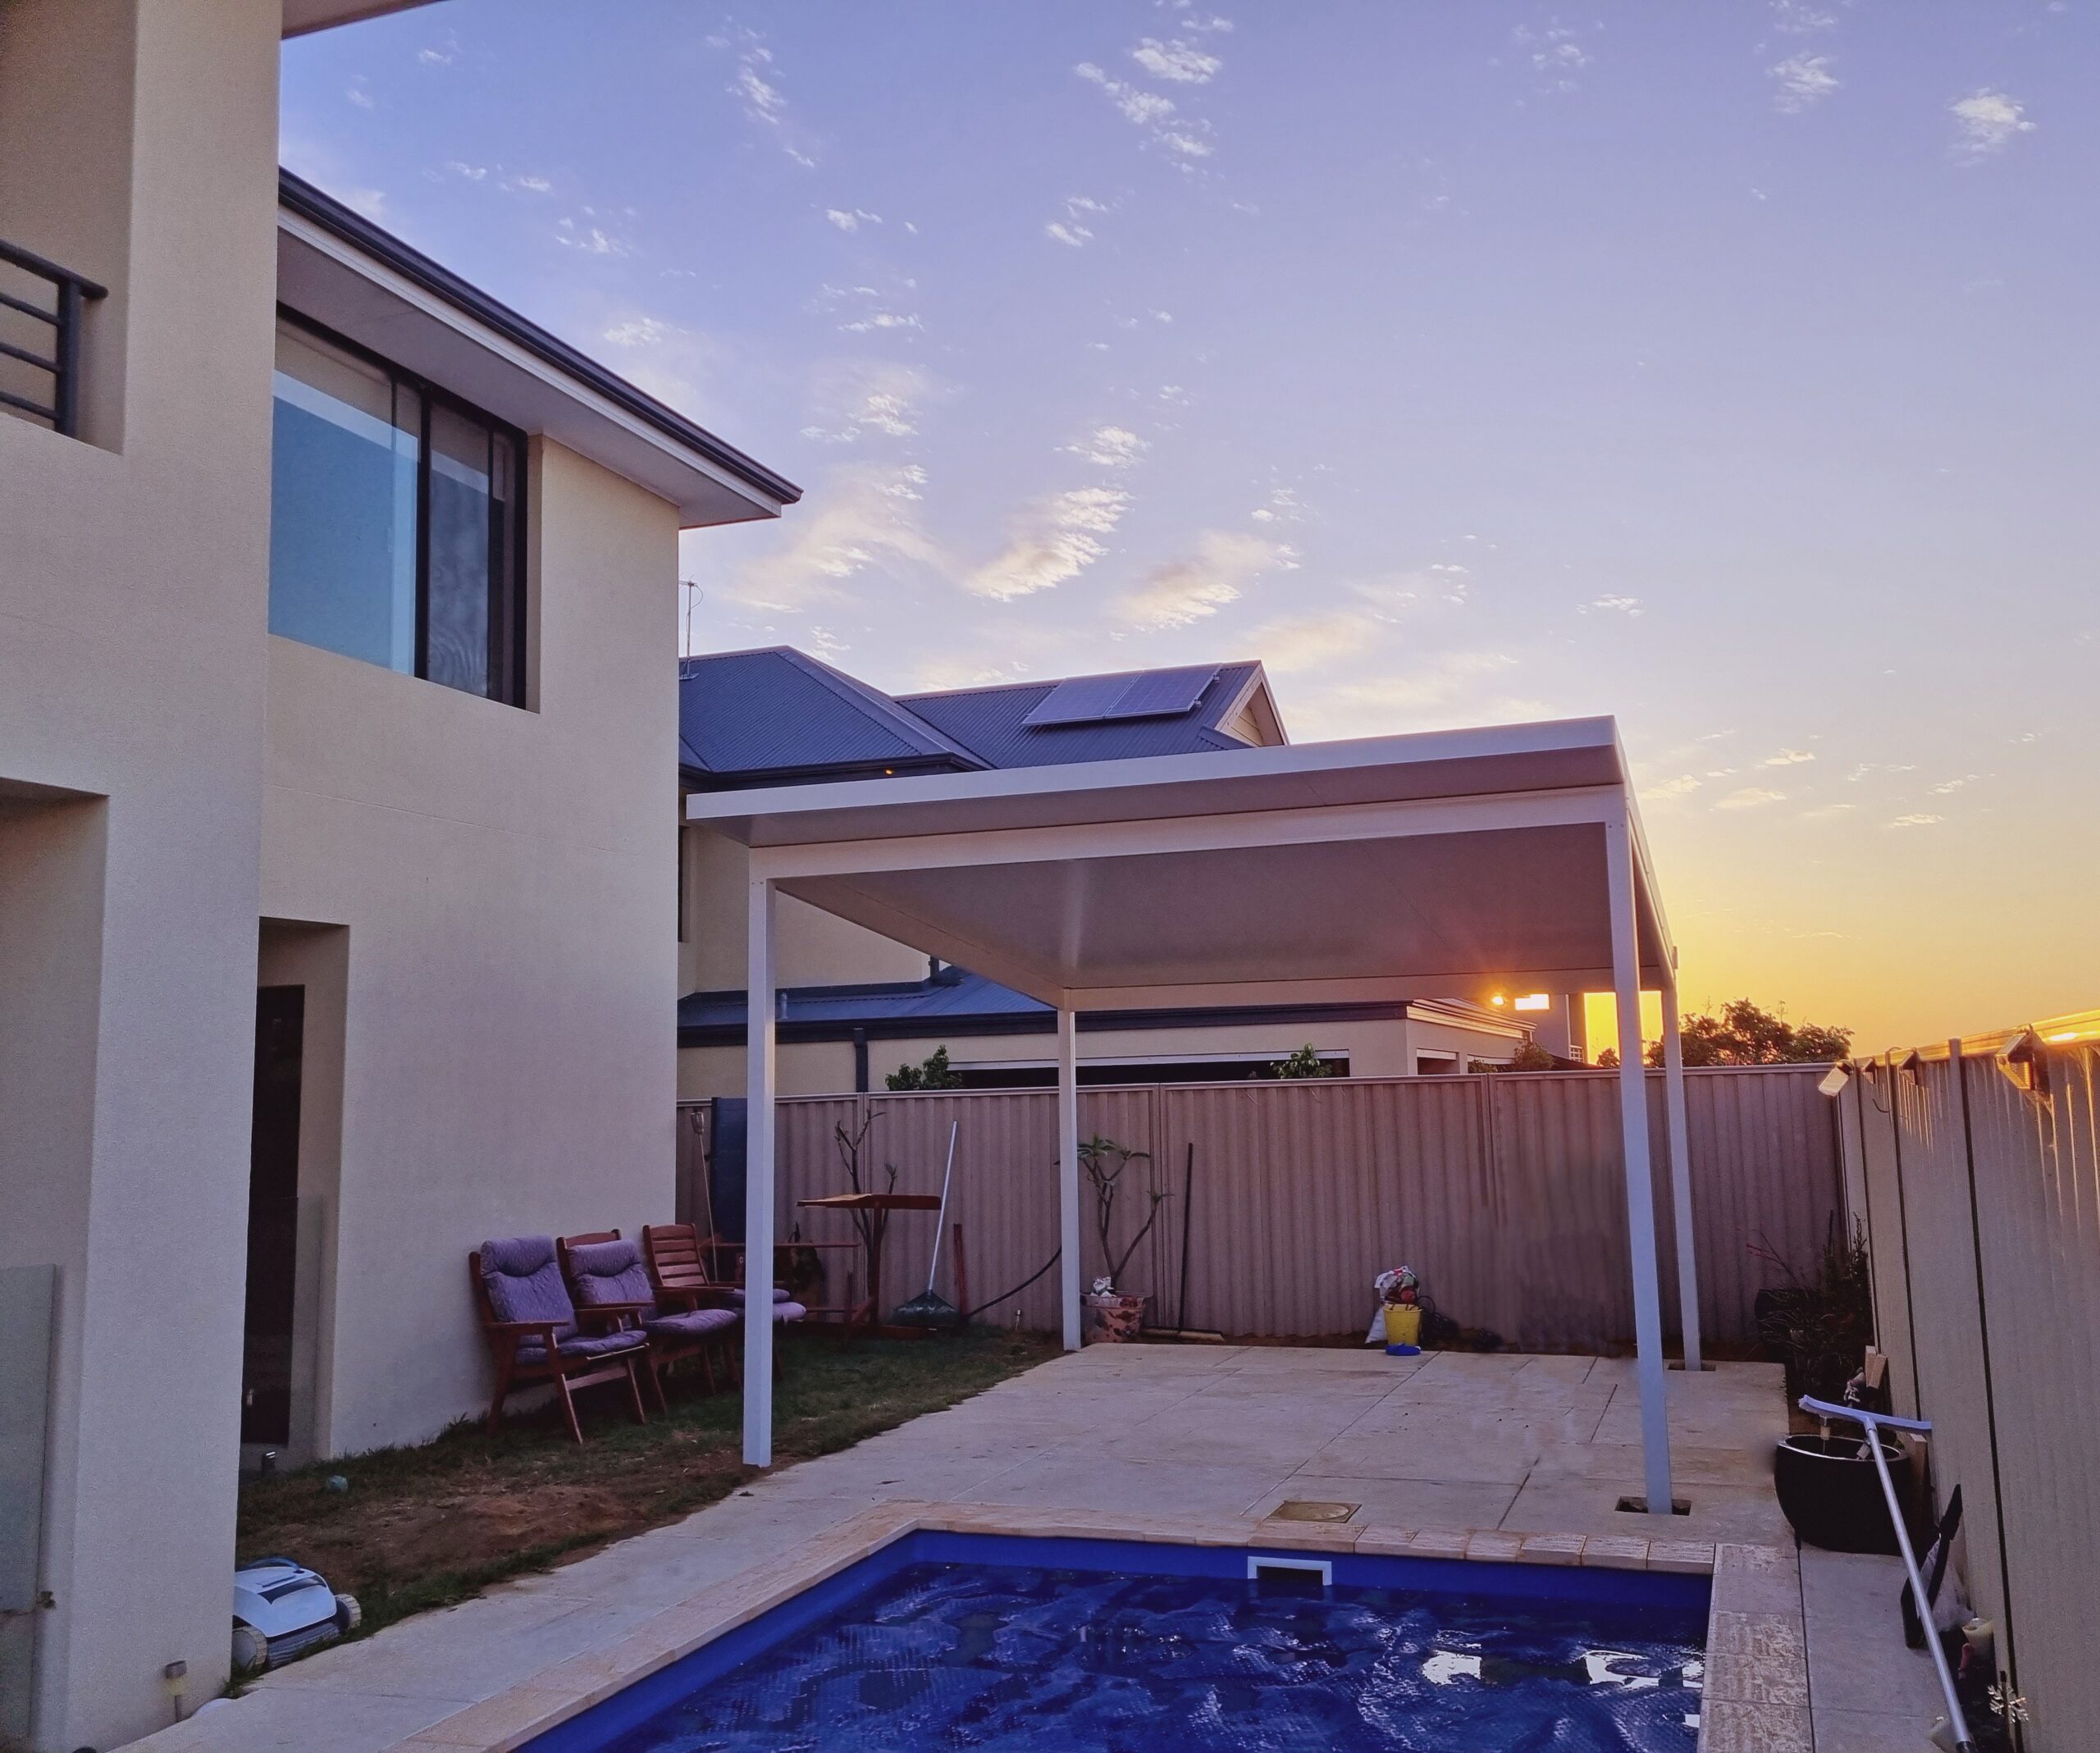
[396,520]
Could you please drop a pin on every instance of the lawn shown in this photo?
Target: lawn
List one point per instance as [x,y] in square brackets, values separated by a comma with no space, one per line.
[425,1527]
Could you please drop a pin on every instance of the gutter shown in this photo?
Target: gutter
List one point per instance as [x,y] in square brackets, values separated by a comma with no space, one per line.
[300,197]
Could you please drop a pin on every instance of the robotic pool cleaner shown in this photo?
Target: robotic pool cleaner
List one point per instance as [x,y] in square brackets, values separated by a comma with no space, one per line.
[282,1610]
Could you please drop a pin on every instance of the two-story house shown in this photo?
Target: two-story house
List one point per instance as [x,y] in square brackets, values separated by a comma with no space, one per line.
[338,607]
[857,1005]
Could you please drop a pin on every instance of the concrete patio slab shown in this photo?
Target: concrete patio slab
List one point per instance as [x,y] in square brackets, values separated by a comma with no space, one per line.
[1481,1455]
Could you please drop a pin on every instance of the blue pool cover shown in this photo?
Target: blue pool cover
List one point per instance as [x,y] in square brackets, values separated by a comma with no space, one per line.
[945,1642]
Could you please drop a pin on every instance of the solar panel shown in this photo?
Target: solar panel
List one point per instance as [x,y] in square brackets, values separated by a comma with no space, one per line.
[1163,693]
[1084,700]
[1095,700]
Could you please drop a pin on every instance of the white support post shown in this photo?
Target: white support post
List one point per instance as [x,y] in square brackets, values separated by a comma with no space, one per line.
[1068,1171]
[758,1180]
[1639,1185]
[1680,1137]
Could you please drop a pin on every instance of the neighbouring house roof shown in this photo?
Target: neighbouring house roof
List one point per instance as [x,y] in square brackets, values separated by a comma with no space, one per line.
[779,716]
[1112,718]
[955,1004]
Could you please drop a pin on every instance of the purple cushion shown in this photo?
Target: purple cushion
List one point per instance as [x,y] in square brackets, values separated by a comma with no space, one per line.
[584,1346]
[785,1311]
[694,1323]
[523,1281]
[779,1295]
[609,1272]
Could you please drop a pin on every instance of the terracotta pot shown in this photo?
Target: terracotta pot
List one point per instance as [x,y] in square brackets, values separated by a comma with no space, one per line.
[1116,1319]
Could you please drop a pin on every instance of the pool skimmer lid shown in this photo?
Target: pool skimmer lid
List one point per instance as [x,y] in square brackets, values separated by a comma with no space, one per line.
[1311,1509]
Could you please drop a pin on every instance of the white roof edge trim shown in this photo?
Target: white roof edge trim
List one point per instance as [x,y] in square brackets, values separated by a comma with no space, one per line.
[1283,760]
[326,243]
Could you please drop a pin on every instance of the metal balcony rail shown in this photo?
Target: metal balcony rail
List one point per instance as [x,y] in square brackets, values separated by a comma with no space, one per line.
[72,291]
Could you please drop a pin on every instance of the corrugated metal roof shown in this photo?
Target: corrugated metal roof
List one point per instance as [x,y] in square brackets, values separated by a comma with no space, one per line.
[952,994]
[991,721]
[749,715]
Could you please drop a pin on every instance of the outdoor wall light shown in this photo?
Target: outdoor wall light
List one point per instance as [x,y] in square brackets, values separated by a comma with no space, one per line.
[1535,1001]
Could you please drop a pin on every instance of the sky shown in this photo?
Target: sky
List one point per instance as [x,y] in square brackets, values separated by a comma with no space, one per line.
[1728,368]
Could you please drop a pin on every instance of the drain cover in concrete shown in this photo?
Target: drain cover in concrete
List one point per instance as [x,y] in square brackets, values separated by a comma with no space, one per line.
[1310,1509]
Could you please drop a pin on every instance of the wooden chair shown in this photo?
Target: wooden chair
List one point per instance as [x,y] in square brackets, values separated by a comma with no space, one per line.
[606,1275]
[677,1259]
[533,1333]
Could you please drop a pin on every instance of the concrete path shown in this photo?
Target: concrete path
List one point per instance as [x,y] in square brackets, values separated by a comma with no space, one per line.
[1449,1440]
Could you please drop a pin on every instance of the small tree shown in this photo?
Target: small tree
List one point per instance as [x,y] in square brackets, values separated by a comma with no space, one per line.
[1747,1034]
[931,1073]
[1104,1162]
[1305,1062]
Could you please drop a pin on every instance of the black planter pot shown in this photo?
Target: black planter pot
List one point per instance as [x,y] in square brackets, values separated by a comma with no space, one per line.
[1831,1493]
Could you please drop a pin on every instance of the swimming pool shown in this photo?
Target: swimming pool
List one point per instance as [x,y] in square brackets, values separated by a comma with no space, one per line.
[972,1641]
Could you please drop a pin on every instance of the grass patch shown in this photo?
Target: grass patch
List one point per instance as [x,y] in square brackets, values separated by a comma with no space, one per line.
[426,1526]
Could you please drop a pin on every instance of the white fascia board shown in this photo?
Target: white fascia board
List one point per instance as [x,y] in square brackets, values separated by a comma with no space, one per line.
[1237,830]
[542,399]
[1105,780]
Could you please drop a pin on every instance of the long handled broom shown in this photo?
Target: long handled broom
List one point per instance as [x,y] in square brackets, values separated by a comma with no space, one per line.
[929,1309]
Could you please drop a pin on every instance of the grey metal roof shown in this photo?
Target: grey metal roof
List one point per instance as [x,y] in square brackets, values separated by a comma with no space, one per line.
[752,716]
[992,721]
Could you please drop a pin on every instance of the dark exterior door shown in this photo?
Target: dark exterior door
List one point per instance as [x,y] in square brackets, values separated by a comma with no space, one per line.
[266,1397]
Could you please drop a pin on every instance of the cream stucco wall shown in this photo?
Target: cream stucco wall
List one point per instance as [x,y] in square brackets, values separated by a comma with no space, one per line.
[132,617]
[815,947]
[505,880]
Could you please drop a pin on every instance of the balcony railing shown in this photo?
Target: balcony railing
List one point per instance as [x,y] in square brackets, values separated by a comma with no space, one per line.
[70,293]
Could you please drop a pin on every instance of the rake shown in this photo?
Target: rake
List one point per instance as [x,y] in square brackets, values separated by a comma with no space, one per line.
[929,1309]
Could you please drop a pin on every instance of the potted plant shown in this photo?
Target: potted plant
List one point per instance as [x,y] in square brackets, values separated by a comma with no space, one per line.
[1820,1328]
[1116,1314]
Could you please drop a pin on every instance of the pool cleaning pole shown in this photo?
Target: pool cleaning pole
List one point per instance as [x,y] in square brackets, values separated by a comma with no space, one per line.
[1874,1422]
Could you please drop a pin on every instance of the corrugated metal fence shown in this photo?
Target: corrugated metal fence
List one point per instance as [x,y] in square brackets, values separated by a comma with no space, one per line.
[1976,1168]
[1503,1191]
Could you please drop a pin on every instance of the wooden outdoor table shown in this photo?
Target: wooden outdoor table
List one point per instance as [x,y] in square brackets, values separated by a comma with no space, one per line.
[878,1206]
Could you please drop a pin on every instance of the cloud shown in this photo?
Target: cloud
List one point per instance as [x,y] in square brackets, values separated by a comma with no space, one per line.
[474,173]
[1986,123]
[1185,590]
[866,515]
[1805,80]
[866,398]
[1179,63]
[528,184]
[1946,786]
[1302,643]
[1797,18]
[1186,137]
[1750,797]
[1682,785]
[1072,230]
[1051,540]
[1111,447]
[1916,821]
[359,96]
[638,331]
[1462,687]
[1556,55]
[590,239]
[881,319]
[754,84]
[1788,758]
[851,219]
[1828,812]
[1626,605]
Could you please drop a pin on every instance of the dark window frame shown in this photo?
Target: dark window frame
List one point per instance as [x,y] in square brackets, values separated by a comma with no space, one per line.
[507,629]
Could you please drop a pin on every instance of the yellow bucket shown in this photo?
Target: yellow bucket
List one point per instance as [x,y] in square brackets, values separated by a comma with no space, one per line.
[1404,1323]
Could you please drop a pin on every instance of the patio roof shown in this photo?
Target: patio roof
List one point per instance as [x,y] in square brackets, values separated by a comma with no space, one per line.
[1457,863]
[1452,864]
